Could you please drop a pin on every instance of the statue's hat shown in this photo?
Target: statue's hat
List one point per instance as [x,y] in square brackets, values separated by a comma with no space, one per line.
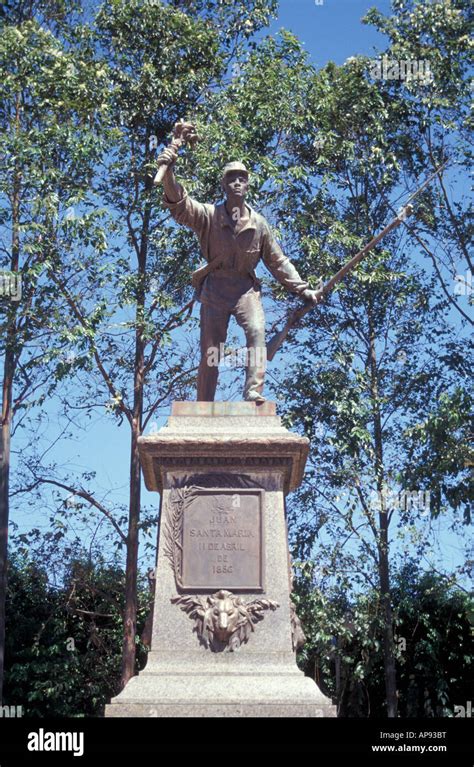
[234,166]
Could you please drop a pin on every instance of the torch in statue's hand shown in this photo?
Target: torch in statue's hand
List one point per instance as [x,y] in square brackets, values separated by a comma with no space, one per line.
[183,133]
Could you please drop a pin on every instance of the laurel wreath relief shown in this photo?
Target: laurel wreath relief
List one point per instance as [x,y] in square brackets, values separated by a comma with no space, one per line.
[178,500]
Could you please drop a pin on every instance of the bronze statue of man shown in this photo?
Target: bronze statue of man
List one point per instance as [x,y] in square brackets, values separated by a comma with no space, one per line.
[233,239]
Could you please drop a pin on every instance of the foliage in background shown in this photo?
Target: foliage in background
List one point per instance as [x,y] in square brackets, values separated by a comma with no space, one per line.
[51,121]
[433,637]
[63,648]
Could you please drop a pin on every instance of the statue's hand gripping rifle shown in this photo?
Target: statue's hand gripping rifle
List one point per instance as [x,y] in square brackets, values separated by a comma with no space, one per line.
[294,318]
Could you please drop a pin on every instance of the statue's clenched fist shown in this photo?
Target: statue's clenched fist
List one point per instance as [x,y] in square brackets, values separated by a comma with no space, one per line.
[168,156]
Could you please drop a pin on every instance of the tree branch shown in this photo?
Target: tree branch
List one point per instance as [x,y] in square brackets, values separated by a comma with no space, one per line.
[81,493]
[79,316]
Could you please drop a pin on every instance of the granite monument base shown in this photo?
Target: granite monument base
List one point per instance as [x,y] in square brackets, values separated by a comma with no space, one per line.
[224,627]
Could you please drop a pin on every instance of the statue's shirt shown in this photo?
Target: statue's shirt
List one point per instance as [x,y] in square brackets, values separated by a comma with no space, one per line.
[239,249]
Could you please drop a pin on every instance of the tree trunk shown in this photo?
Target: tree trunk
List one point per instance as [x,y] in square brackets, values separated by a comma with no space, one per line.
[4,498]
[7,400]
[130,611]
[383,545]
[131,574]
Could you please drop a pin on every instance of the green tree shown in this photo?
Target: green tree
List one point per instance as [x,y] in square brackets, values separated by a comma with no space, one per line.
[378,359]
[50,100]
[437,125]
[433,628]
[63,649]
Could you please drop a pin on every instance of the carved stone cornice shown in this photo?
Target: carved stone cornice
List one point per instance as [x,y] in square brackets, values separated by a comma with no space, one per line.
[286,453]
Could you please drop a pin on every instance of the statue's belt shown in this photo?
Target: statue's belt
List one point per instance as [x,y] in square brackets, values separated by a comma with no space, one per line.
[201,273]
[231,273]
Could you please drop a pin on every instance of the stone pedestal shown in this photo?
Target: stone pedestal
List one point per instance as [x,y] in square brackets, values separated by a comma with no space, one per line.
[223,628]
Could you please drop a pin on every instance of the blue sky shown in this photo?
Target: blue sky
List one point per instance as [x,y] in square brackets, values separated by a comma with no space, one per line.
[331,31]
